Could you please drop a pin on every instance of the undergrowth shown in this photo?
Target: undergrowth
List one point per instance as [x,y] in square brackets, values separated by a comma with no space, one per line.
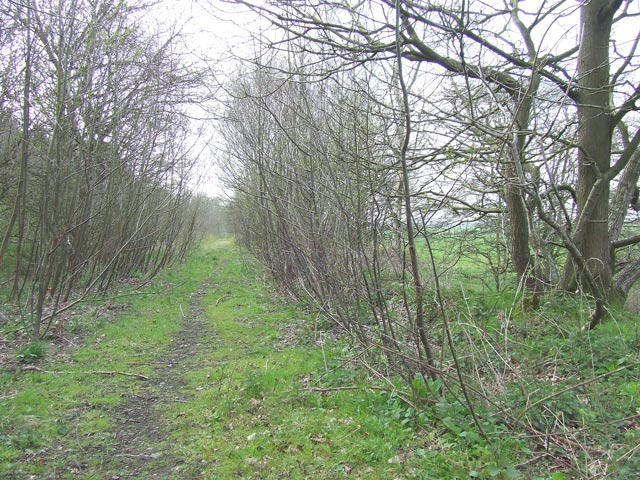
[567,394]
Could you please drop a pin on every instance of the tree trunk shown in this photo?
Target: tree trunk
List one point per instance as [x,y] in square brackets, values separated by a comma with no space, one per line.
[518,230]
[408,213]
[622,200]
[594,136]
[19,207]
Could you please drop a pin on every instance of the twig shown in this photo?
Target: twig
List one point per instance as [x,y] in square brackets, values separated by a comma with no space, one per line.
[127,374]
[132,455]
[221,299]
[533,460]
[356,430]
[333,389]
[630,452]
[31,368]
[367,387]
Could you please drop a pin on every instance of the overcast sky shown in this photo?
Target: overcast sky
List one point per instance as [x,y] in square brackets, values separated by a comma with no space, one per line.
[215,34]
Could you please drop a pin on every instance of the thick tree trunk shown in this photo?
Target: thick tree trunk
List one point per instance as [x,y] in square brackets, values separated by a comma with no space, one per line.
[592,233]
[519,230]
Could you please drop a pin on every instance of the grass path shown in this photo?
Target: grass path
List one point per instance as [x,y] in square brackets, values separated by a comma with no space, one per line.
[229,368]
[139,421]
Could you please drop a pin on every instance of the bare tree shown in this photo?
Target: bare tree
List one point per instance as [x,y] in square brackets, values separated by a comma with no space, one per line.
[478,57]
[102,184]
[366,128]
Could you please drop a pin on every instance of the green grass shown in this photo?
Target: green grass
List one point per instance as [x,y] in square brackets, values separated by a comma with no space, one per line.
[254,415]
[251,412]
[278,395]
[39,409]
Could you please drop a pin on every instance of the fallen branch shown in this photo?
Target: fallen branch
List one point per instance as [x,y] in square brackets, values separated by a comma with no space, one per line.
[221,299]
[127,374]
[365,387]
[333,389]
[31,368]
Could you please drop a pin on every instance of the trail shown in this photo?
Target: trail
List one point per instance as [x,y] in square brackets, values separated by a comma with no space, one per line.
[229,392]
[141,435]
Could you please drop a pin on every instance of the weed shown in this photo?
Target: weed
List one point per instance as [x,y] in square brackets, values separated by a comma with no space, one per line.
[32,353]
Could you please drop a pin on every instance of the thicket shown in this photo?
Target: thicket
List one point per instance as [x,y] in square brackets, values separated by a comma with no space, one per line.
[442,201]
[94,163]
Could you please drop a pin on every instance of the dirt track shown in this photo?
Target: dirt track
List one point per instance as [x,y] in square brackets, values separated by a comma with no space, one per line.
[139,447]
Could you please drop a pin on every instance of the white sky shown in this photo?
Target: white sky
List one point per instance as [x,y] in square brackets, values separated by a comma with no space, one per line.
[215,34]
